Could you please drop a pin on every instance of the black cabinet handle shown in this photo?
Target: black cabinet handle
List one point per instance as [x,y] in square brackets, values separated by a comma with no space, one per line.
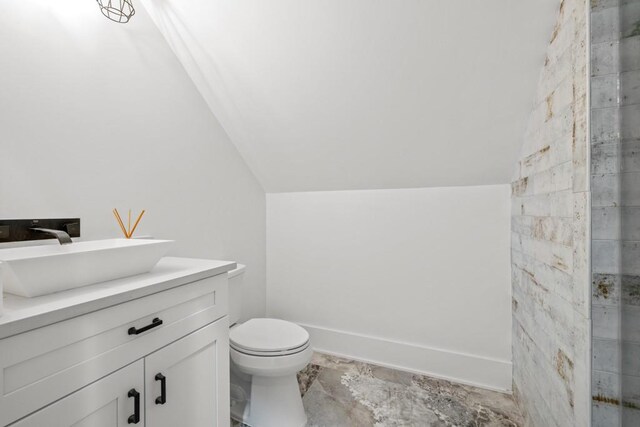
[163,389]
[135,418]
[154,324]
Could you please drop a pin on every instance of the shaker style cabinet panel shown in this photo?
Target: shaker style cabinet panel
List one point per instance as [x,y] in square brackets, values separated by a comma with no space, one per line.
[156,360]
[183,384]
[187,382]
[113,401]
[45,364]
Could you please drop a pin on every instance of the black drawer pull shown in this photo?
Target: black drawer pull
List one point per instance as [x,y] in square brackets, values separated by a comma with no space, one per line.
[163,389]
[154,324]
[135,418]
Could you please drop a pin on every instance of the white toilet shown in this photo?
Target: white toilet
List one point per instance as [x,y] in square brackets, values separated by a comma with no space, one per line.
[266,354]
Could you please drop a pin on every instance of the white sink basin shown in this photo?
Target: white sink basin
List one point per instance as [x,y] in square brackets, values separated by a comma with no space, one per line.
[40,270]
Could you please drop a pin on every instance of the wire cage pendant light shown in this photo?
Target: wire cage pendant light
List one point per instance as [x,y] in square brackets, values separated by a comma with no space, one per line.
[117,10]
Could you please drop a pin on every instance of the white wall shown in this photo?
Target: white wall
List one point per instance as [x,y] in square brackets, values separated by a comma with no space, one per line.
[96,115]
[415,278]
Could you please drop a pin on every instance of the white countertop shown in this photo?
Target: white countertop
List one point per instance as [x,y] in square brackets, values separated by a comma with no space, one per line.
[23,314]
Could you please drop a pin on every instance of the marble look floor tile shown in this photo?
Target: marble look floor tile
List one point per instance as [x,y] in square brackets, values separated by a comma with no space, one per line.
[350,393]
[333,362]
[328,406]
[307,376]
[339,392]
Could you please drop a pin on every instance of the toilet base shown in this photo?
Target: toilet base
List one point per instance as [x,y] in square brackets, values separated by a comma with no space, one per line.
[275,402]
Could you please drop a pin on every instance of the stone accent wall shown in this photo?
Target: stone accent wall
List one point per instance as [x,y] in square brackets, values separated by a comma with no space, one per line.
[615,183]
[550,206]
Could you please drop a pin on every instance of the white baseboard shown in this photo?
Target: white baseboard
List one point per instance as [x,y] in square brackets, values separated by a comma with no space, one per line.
[479,371]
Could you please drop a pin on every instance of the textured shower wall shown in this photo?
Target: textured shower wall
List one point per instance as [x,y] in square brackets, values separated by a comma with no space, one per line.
[615,182]
[550,275]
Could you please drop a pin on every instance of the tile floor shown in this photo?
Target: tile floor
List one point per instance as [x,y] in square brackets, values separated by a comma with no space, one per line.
[339,392]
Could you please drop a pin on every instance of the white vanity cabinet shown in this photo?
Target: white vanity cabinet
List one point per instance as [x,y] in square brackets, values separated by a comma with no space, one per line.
[161,359]
[108,402]
[195,372]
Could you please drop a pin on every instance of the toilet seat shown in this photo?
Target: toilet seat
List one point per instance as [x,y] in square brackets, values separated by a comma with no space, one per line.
[270,366]
[269,353]
[268,338]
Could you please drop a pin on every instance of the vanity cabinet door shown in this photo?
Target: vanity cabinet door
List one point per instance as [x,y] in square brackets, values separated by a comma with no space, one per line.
[108,402]
[187,382]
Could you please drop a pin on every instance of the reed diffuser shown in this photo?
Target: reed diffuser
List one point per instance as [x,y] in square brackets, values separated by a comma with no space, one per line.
[128,231]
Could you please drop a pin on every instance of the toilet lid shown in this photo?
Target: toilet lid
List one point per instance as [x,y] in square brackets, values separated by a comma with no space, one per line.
[268,335]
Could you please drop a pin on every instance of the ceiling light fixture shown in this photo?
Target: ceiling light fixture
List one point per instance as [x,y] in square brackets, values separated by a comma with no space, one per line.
[117,10]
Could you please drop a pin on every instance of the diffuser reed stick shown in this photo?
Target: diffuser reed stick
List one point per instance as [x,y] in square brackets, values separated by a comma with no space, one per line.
[128,232]
[136,224]
[117,215]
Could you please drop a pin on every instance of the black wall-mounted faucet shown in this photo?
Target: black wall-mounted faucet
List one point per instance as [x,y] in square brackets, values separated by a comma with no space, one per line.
[20,230]
[62,236]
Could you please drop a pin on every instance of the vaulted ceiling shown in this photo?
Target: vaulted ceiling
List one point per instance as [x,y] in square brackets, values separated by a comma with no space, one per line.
[359,94]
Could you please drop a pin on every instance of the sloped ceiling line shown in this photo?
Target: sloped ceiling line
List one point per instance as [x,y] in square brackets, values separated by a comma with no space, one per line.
[365,94]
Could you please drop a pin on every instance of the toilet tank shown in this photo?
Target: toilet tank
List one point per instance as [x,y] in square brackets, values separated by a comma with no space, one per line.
[236,277]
